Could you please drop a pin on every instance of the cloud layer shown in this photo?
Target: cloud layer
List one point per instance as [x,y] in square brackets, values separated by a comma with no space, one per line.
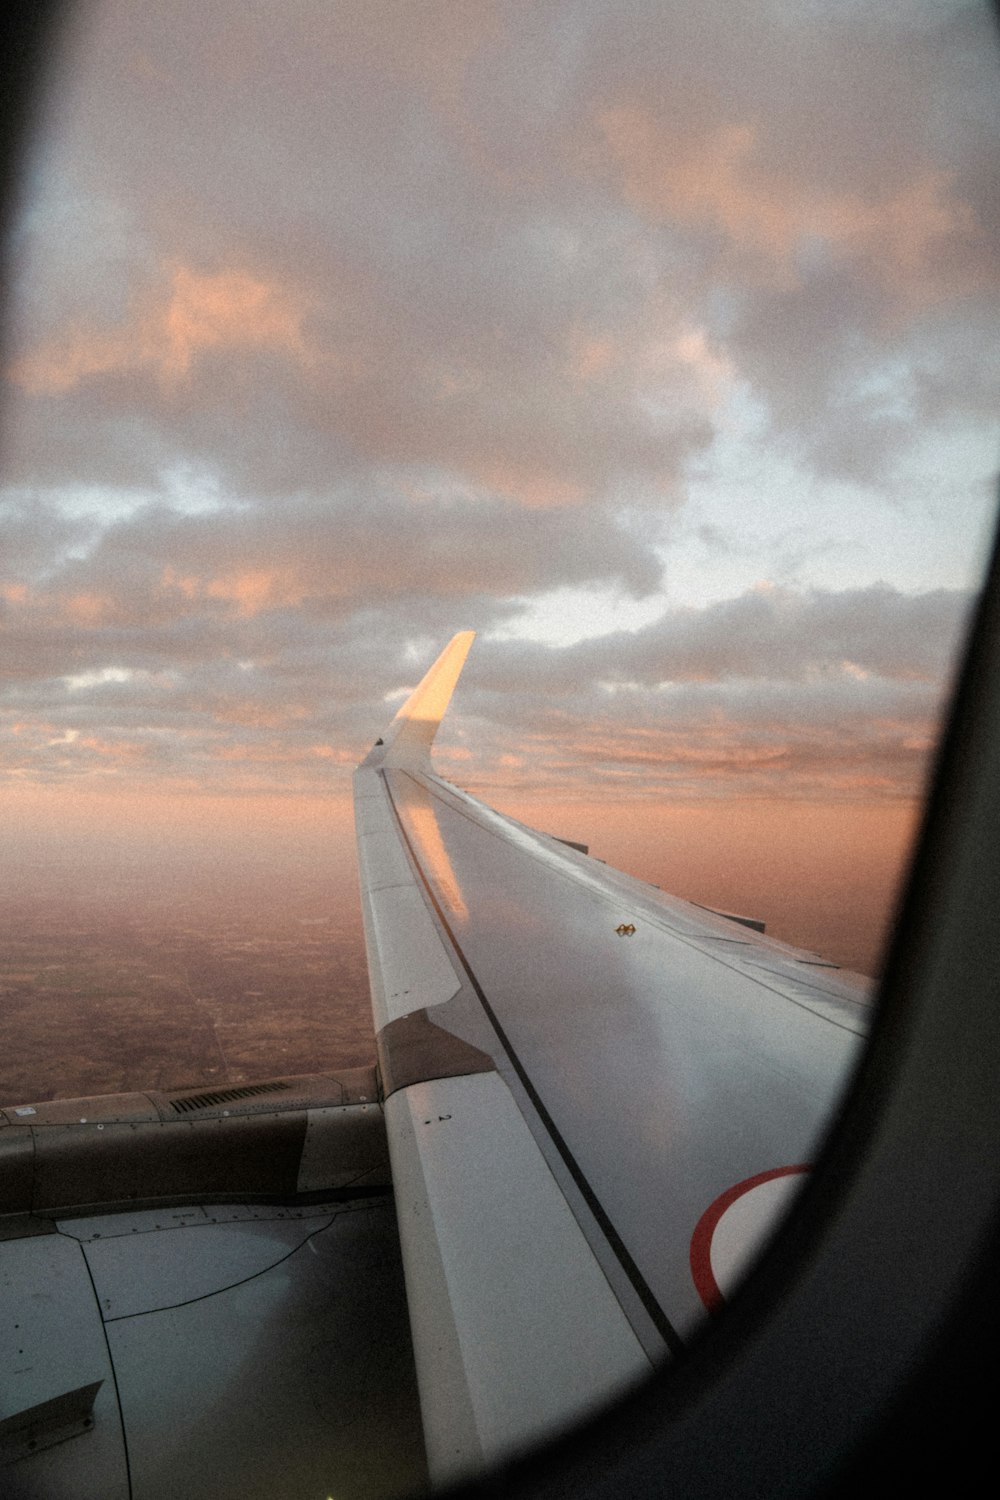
[339,329]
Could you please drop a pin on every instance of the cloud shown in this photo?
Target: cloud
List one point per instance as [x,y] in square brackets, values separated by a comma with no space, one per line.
[275,387]
[825,174]
[719,181]
[190,314]
[780,692]
[34,535]
[446,318]
[330,556]
[533,249]
[766,634]
[793,692]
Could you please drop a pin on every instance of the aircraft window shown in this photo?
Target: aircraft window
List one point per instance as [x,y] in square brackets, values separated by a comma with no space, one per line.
[655,345]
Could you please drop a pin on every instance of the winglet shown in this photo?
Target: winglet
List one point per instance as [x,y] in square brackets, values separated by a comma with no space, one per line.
[408,740]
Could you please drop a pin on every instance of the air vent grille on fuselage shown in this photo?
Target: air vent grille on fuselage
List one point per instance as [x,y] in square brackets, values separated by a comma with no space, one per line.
[187,1102]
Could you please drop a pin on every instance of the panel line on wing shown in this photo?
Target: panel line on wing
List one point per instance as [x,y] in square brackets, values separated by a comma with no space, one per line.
[624,1257]
[114,1373]
[219,1291]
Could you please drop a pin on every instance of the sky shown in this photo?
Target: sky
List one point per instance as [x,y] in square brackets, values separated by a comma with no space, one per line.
[656,343]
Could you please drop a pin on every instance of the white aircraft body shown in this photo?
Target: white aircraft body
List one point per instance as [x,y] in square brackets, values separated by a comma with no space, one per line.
[591,1102]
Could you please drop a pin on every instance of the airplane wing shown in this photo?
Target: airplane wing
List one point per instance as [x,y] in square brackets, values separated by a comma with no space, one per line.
[591,1101]
[598,1097]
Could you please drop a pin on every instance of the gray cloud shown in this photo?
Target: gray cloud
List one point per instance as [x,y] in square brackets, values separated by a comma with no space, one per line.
[784,691]
[769,634]
[452,297]
[513,191]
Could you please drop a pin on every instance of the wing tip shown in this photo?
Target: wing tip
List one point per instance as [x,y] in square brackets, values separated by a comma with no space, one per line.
[407,741]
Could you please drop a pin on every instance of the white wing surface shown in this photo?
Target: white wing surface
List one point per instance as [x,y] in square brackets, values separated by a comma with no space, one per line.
[598,1097]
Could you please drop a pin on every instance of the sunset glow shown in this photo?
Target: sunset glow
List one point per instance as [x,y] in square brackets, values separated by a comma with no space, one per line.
[660,351]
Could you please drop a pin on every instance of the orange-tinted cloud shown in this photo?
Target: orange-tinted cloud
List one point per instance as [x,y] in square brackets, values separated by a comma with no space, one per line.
[169,327]
[446,362]
[529,484]
[248,591]
[722,180]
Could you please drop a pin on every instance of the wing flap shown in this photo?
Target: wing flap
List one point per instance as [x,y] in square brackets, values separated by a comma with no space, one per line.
[412,969]
[516,1330]
[408,964]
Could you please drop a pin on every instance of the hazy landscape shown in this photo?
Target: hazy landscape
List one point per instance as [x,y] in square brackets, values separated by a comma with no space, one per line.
[661,354]
[228,945]
[156,978]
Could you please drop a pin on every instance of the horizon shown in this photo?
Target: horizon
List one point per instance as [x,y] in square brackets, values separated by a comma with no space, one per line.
[658,348]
